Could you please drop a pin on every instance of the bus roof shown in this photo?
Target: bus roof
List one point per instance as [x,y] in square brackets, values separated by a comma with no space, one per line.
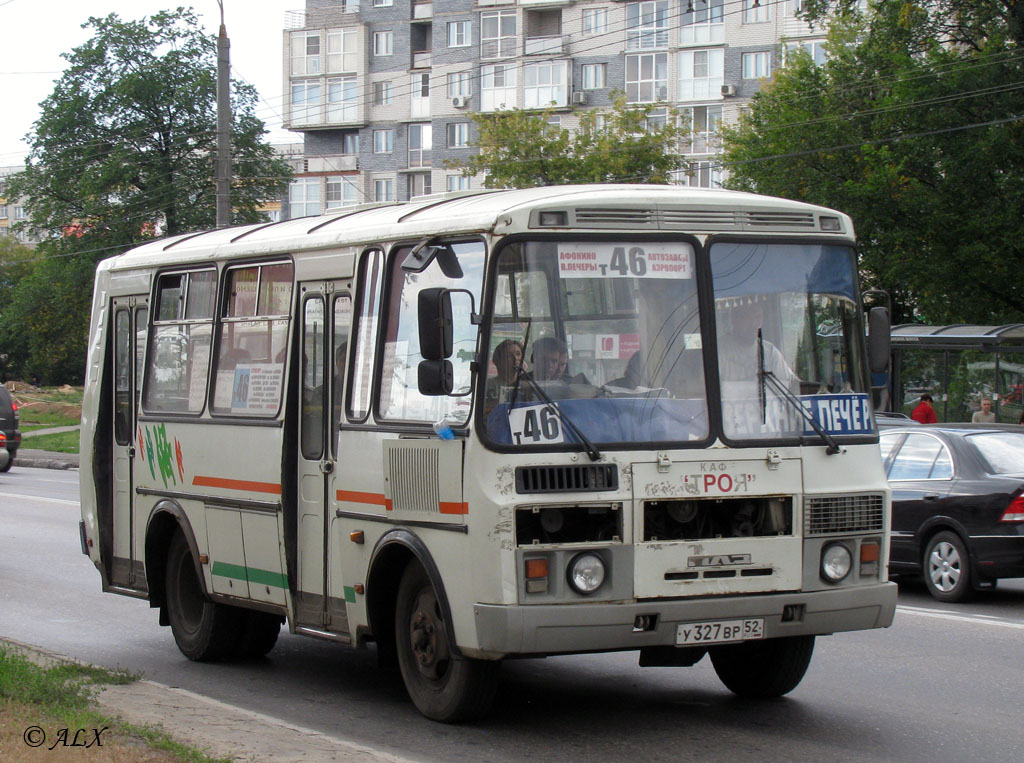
[603,207]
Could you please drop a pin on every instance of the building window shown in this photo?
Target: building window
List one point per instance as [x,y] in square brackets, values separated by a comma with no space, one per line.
[814,48]
[497,34]
[384,190]
[656,120]
[459,34]
[419,145]
[342,50]
[306,102]
[381,93]
[497,87]
[383,3]
[383,43]
[595,21]
[460,84]
[701,74]
[647,78]
[704,124]
[459,183]
[419,185]
[755,11]
[594,76]
[458,135]
[545,85]
[341,192]
[647,25]
[350,143]
[304,197]
[756,65]
[305,53]
[704,23]
[342,99]
[383,141]
[705,174]
[3,211]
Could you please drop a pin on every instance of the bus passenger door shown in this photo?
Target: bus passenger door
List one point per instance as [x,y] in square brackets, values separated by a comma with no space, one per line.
[130,316]
[325,318]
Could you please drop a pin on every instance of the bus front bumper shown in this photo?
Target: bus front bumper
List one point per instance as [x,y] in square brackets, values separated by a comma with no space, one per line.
[569,628]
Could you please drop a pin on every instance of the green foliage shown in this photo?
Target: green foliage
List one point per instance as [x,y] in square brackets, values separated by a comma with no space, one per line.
[919,143]
[123,149]
[519,149]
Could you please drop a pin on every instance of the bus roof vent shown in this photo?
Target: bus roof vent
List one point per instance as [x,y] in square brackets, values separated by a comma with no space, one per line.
[698,219]
[780,220]
[567,479]
[602,218]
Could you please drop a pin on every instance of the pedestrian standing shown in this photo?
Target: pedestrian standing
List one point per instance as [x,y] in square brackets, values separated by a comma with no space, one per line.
[924,413]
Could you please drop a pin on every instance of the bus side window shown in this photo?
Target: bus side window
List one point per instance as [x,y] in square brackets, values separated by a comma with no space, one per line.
[371,278]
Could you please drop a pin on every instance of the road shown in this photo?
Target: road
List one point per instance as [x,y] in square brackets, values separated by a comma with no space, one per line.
[943,684]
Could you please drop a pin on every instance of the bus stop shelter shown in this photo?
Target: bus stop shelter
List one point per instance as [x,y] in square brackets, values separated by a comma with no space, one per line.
[959,365]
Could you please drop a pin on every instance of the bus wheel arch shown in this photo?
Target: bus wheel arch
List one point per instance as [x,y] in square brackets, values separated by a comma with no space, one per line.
[166,519]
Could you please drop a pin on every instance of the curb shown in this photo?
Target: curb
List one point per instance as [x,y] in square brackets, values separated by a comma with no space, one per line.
[42,459]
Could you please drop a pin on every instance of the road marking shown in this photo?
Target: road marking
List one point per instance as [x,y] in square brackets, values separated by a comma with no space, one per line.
[940,614]
[41,498]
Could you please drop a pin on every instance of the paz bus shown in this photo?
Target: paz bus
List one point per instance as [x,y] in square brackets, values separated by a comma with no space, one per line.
[496,424]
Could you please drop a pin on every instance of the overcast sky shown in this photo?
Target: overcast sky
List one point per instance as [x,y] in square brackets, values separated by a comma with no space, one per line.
[36,32]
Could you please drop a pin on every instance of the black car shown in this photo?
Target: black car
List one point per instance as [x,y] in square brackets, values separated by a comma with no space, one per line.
[957,504]
[9,426]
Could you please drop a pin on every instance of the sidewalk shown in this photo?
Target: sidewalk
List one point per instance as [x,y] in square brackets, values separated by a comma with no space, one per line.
[44,459]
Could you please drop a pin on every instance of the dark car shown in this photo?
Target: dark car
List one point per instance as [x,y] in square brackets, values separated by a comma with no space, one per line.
[9,426]
[957,504]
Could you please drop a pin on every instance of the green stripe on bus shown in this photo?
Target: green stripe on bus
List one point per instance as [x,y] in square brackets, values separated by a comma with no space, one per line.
[249,574]
[350,594]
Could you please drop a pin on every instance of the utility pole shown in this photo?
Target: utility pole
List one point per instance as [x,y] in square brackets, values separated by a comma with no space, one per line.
[223,162]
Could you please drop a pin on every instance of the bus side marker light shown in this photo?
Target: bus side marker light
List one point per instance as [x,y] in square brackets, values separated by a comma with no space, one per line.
[358,588]
[204,559]
[536,573]
[357,537]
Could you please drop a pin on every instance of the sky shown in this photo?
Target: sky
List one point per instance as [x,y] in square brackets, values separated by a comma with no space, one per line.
[36,32]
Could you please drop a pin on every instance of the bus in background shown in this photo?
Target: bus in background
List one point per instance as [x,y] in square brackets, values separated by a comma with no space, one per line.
[496,424]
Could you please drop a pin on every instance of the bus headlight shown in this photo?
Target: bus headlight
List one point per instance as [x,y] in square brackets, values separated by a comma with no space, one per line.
[586,573]
[836,562]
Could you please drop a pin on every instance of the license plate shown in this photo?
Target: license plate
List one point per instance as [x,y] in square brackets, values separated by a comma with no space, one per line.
[720,631]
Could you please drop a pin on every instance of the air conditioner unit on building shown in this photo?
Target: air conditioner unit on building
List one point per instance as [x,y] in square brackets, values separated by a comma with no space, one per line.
[728,90]
[579,98]
[460,101]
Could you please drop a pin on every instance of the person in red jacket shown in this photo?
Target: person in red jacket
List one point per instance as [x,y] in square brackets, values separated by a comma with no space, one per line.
[924,413]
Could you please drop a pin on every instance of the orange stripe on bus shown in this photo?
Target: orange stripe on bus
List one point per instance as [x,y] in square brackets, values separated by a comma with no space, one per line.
[374,499]
[247,485]
[448,507]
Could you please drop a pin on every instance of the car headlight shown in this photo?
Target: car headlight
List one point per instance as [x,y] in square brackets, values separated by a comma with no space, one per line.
[836,562]
[586,573]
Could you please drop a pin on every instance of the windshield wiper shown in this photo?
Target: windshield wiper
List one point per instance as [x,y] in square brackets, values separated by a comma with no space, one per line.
[767,376]
[589,448]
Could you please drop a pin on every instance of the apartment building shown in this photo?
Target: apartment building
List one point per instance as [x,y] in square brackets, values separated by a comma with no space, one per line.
[12,210]
[382,89]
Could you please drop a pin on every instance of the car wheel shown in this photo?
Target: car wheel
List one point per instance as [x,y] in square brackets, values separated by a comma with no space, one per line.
[762,669]
[5,466]
[204,631]
[443,685]
[947,567]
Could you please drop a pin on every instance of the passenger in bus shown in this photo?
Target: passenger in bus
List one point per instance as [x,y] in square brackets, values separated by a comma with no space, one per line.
[738,349]
[508,359]
[635,375]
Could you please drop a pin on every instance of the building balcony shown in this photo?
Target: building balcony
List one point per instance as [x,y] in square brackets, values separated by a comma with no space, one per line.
[422,10]
[544,46]
[318,18]
[421,59]
[332,163]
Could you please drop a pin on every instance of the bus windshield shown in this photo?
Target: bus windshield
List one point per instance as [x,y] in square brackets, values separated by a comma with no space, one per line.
[609,331]
[603,339]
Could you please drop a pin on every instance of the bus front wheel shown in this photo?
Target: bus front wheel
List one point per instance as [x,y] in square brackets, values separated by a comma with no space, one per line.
[204,631]
[443,685]
[761,669]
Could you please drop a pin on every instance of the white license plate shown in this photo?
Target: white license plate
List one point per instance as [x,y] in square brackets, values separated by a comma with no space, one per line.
[719,631]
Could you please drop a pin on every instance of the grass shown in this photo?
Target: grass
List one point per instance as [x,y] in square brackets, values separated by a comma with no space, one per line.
[59,442]
[49,407]
[58,696]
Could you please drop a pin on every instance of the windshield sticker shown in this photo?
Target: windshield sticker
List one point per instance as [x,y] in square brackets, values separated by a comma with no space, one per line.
[840,414]
[652,260]
[535,424]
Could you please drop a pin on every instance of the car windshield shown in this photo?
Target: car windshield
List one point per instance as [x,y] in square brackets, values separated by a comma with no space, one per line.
[790,335]
[1003,451]
[599,336]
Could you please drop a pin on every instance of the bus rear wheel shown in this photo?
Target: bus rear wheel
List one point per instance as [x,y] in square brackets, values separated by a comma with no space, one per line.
[259,634]
[443,685]
[762,669]
[204,631]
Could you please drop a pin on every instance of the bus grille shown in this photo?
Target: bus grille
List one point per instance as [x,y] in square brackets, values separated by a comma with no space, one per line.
[824,515]
[414,479]
[566,479]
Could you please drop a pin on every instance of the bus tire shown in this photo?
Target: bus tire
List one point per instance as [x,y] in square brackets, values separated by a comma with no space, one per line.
[762,669]
[444,686]
[204,631]
[259,634]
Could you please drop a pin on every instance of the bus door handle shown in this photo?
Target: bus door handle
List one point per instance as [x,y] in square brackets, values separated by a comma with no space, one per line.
[131,451]
[326,467]
[931,496]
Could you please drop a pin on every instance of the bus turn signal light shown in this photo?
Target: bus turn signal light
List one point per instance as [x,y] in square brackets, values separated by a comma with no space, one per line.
[536,573]
[869,552]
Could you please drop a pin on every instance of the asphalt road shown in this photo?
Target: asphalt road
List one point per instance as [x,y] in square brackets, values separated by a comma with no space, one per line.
[943,684]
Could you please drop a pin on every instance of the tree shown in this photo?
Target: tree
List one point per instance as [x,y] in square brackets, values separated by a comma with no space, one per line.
[521,149]
[16,264]
[919,141]
[124,150]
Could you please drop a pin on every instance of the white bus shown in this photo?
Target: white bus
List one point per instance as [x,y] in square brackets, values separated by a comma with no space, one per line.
[496,424]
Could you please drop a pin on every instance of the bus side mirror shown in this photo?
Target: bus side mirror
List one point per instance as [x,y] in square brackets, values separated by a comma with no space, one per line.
[878,340]
[435,377]
[435,324]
